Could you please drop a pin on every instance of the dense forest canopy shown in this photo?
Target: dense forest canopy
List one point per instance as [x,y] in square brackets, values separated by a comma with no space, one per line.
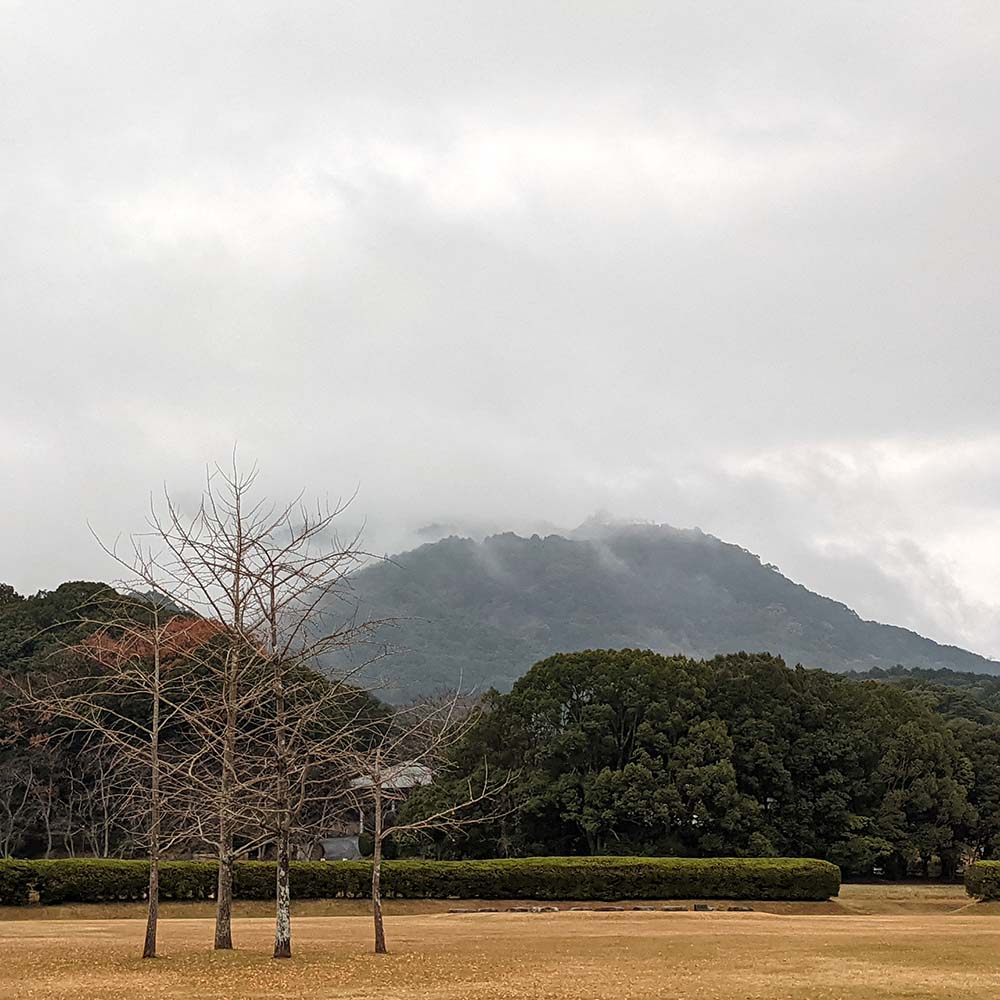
[481,613]
[628,751]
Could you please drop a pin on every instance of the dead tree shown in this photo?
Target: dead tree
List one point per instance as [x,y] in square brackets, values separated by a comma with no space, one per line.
[404,749]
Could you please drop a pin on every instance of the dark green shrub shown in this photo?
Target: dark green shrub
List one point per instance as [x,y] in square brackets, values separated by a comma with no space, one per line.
[331,879]
[78,880]
[87,880]
[571,878]
[615,878]
[17,879]
[982,880]
[254,880]
[188,879]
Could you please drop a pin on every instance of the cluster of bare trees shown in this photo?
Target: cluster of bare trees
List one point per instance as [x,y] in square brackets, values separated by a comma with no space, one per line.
[202,694]
[70,803]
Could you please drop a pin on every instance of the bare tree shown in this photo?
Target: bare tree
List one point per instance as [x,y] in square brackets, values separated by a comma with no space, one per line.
[46,792]
[105,810]
[17,804]
[250,597]
[275,583]
[122,698]
[403,750]
[301,594]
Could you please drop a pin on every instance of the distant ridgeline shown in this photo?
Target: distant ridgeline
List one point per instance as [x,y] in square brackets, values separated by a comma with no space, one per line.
[483,612]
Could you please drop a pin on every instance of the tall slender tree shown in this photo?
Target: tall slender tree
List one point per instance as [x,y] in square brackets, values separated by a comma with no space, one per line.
[399,752]
[119,693]
[274,581]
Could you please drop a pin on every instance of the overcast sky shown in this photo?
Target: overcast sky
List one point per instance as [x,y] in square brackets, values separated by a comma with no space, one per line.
[727,265]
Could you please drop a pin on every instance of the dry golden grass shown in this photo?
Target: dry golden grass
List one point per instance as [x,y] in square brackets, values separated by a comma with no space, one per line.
[502,956]
[866,899]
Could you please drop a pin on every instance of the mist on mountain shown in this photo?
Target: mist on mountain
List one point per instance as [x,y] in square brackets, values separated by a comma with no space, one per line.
[478,613]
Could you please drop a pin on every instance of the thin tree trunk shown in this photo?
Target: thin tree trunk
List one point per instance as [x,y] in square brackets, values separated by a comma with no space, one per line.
[380,948]
[153,912]
[283,915]
[224,891]
[47,817]
[224,886]
[105,813]
[68,832]
[282,902]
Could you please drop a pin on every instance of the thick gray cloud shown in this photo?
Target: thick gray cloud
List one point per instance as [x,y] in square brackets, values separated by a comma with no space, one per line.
[720,264]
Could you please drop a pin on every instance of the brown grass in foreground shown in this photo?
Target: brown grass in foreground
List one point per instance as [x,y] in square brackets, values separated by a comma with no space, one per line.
[871,899]
[563,956]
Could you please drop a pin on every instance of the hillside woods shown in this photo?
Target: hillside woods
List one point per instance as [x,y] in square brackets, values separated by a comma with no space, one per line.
[483,612]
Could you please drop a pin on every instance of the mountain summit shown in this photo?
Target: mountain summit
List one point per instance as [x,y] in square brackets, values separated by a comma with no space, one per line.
[481,613]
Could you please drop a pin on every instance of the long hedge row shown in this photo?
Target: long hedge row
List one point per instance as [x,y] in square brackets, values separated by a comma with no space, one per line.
[982,880]
[94,881]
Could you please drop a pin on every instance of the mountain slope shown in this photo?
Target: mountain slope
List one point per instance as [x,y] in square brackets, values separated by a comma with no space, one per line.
[484,612]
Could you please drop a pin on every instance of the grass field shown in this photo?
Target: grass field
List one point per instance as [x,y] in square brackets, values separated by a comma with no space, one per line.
[875,942]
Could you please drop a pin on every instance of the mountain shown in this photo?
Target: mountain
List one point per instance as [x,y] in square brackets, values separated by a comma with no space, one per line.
[480,613]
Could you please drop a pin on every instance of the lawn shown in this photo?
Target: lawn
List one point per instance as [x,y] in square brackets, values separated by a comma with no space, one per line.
[921,944]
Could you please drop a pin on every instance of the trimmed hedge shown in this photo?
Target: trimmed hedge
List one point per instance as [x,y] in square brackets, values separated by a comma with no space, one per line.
[15,882]
[77,880]
[93,881]
[982,880]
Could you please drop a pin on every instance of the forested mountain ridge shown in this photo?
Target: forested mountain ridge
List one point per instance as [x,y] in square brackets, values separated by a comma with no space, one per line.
[483,612]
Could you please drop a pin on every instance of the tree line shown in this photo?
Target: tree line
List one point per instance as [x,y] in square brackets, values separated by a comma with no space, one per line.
[623,752]
[631,752]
